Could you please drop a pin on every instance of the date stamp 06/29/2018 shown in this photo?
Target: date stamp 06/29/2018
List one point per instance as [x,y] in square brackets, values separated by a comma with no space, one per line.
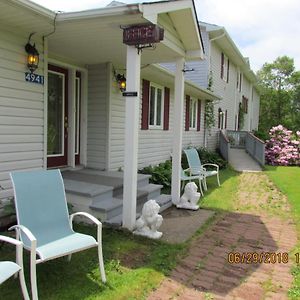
[260,258]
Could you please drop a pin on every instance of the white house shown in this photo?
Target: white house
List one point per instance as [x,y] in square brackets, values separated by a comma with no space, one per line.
[228,74]
[73,112]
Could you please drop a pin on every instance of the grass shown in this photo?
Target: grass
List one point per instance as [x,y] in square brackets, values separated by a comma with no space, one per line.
[134,265]
[288,181]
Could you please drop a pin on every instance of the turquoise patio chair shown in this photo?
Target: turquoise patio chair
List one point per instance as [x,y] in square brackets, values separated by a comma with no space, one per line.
[9,268]
[196,167]
[44,225]
[184,177]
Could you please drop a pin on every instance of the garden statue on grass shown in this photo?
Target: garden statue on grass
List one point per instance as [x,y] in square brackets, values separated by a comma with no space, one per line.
[190,197]
[148,224]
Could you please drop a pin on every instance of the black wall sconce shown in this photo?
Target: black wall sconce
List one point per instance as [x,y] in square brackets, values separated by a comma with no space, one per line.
[120,78]
[32,55]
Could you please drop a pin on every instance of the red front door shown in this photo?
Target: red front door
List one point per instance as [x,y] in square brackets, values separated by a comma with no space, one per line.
[57,138]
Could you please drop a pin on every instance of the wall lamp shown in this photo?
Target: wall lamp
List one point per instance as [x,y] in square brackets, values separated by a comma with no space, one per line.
[32,55]
[120,78]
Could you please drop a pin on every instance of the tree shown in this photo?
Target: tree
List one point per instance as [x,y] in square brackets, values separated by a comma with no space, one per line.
[280,94]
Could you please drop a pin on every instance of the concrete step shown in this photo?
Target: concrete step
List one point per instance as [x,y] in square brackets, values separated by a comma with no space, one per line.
[165,201]
[110,207]
[86,189]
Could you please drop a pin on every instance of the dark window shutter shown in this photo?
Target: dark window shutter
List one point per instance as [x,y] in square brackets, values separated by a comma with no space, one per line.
[166,108]
[199,115]
[222,65]
[219,117]
[187,113]
[227,70]
[225,118]
[145,105]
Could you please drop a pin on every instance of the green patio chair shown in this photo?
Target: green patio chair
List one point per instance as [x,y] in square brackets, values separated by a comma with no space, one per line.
[9,268]
[44,225]
[184,177]
[196,167]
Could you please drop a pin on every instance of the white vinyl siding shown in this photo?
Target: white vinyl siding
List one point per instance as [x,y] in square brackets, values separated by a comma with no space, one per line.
[155,146]
[97,116]
[21,110]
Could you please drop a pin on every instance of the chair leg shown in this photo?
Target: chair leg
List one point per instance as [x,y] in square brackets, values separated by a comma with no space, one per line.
[23,285]
[218,179]
[69,257]
[200,186]
[204,184]
[100,254]
[34,292]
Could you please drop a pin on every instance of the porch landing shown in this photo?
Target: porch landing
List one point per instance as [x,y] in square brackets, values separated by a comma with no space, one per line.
[100,193]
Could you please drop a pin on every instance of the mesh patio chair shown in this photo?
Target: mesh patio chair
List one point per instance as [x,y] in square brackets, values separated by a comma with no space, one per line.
[184,177]
[44,225]
[9,268]
[196,167]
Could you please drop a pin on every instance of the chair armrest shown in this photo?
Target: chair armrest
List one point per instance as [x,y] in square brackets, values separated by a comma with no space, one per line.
[25,230]
[212,165]
[10,240]
[87,215]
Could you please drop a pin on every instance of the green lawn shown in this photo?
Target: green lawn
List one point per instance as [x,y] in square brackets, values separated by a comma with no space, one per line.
[288,181]
[134,265]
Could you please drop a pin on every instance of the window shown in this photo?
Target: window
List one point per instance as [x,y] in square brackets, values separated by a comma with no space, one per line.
[221,118]
[193,113]
[239,81]
[156,105]
[245,104]
[224,67]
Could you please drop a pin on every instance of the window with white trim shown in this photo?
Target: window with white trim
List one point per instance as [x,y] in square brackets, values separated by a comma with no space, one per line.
[224,67]
[193,113]
[156,105]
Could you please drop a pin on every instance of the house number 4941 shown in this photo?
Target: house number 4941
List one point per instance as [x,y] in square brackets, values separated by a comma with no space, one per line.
[31,77]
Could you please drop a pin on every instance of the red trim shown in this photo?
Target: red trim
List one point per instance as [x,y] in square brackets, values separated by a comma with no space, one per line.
[57,161]
[187,112]
[166,108]
[227,70]
[145,105]
[222,65]
[199,115]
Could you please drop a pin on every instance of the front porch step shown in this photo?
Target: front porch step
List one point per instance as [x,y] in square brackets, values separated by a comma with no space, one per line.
[87,189]
[164,201]
[112,207]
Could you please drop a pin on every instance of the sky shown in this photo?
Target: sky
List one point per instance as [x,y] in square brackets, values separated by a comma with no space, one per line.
[261,29]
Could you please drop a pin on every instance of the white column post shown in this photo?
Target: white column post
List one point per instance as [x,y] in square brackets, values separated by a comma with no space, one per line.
[178,128]
[133,67]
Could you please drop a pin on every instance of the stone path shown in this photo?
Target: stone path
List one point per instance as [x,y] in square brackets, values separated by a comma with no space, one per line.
[206,273]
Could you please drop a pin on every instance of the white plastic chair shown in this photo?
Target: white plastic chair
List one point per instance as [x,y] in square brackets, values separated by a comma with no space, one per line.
[9,268]
[44,225]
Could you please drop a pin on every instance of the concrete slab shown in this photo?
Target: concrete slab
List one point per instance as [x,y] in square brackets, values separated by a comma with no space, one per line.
[180,224]
[242,161]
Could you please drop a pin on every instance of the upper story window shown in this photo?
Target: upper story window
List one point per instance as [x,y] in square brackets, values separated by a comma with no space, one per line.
[224,67]
[239,78]
[245,104]
[156,104]
[193,113]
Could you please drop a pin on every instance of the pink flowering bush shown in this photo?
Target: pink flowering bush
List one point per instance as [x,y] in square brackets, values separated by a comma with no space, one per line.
[282,149]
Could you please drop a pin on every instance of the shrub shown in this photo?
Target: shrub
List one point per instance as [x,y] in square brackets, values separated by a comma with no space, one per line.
[160,174]
[262,135]
[282,147]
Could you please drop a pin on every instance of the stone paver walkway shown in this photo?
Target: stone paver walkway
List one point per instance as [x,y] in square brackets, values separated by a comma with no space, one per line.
[206,273]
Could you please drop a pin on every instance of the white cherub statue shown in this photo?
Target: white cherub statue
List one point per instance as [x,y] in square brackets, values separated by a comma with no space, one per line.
[190,197]
[149,222]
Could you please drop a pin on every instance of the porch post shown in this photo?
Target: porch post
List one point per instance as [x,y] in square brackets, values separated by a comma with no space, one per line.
[133,67]
[178,128]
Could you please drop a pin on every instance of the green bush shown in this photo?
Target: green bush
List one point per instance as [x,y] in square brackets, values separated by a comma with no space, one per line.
[261,134]
[160,174]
